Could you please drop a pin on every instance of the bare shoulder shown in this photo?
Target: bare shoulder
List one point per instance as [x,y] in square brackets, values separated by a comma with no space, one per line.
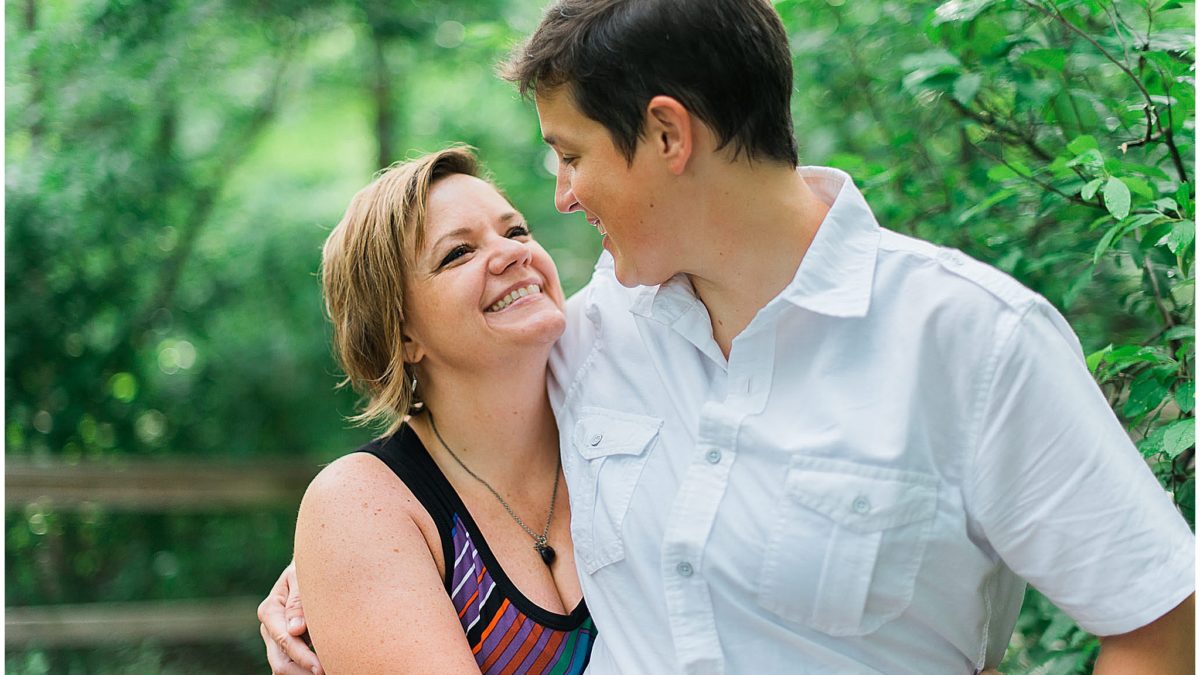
[362,475]
[357,499]
[368,563]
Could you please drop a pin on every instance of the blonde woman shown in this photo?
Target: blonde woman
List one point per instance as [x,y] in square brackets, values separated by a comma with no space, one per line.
[445,544]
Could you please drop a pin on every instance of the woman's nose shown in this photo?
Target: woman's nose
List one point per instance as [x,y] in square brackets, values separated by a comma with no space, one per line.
[512,252]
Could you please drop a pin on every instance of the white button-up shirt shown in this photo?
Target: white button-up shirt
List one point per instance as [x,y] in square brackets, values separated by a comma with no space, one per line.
[896,443]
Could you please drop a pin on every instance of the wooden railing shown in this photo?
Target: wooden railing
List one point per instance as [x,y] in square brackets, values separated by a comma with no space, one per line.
[155,485]
[145,486]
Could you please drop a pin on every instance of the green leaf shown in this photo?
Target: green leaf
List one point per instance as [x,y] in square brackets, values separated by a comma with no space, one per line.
[1107,241]
[1081,144]
[1001,173]
[1182,235]
[1095,358]
[1080,282]
[1048,59]
[1185,397]
[935,59]
[1152,444]
[1166,204]
[966,87]
[1145,394]
[1179,436]
[1127,355]
[1173,39]
[988,202]
[1184,198]
[1116,198]
[1089,158]
[1138,186]
[1089,190]
[1156,235]
[959,10]
[1180,332]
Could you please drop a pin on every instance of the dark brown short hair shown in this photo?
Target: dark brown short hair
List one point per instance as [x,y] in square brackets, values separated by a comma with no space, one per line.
[727,61]
[363,278]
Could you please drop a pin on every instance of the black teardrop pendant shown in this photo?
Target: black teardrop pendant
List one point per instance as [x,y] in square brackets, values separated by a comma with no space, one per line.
[547,553]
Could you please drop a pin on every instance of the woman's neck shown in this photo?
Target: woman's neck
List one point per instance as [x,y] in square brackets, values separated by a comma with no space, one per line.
[498,422]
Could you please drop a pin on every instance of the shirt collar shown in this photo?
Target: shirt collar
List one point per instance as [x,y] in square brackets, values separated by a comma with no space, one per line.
[837,271]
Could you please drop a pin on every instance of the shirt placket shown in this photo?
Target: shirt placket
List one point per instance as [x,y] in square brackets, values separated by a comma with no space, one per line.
[694,511]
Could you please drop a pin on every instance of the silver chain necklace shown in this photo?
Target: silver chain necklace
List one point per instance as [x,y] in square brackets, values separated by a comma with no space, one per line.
[539,540]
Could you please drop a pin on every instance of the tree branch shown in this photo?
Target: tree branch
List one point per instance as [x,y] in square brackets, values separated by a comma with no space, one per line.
[1057,15]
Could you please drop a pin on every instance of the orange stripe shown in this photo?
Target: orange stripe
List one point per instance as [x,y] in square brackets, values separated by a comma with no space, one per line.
[519,657]
[462,612]
[508,637]
[543,660]
[488,631]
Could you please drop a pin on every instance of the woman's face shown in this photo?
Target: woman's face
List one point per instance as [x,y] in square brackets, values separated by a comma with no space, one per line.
[480,287]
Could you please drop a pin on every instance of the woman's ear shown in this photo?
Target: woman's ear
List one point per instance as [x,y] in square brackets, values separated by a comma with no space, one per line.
[413,352]
[669,128]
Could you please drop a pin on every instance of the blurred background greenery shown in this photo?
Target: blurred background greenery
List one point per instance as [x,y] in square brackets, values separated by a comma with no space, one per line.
[173,167]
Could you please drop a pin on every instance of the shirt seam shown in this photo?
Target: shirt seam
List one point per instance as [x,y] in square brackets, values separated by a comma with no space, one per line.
[986,388]
[577,377]
[1011,298]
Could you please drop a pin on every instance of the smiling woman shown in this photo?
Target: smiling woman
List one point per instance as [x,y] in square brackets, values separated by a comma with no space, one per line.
[437,291]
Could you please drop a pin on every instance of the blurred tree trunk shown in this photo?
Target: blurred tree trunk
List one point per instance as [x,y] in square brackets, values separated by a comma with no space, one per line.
[36,93]
[381,94]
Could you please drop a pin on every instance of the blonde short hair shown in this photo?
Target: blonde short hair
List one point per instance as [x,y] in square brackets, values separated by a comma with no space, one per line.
[363,272]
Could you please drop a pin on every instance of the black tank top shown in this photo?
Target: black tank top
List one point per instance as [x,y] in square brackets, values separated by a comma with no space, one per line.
[506,631]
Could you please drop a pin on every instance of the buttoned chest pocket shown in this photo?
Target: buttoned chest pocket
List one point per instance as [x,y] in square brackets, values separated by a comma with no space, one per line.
[846,545]
[612,447]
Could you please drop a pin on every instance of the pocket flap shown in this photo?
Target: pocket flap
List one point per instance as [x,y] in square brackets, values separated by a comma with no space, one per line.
[861,497]
[601,432]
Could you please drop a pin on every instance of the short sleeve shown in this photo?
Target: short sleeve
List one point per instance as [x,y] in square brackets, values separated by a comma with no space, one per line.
[1062,494]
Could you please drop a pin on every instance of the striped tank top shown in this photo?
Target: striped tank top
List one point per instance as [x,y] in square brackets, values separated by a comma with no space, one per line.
[507,632]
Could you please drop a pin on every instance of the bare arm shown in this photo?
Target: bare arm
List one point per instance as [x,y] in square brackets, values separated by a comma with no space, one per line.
[1165,646]
[373,595]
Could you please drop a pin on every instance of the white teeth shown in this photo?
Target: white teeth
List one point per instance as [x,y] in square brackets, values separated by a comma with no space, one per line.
[515,295]
[598,225]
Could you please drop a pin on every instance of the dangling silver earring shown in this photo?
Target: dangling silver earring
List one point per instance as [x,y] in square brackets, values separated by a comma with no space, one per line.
[414,405]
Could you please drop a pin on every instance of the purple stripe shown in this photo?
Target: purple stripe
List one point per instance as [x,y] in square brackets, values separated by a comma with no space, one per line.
[514,646]
[558,651]
[468,569]
[537,649]
[493,639]
[477,582]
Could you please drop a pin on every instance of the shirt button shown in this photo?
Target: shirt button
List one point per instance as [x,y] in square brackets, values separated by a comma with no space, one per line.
[861,505]
[713,456]
[684,569]
[596,439]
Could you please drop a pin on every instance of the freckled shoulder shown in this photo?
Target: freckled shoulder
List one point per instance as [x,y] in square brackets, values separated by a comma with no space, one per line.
[358,491]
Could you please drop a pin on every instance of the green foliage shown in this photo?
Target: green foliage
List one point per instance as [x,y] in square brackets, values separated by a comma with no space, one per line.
[173,168]
[1054,140]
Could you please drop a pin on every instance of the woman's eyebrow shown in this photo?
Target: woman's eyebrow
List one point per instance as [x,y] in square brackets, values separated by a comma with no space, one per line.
[457,232]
